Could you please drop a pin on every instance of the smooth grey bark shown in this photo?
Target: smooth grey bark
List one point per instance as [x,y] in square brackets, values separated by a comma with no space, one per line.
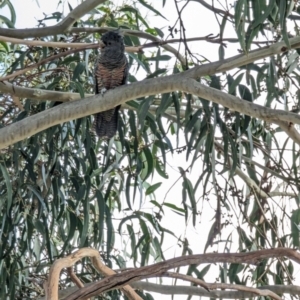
[88,106]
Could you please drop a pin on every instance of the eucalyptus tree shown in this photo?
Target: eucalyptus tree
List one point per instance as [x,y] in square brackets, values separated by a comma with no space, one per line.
[229,118]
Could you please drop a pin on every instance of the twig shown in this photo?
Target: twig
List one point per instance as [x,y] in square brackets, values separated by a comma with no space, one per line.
[46,44]
[74,278]
[214,9]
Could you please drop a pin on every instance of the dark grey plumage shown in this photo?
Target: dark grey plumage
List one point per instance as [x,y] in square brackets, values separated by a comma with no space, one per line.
[111,71]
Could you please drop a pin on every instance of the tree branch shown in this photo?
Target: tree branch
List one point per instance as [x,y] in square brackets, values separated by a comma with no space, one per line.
[118,280]
[157,41]
[106,271]
[165,289]
[223,286]
[51,289]
[290,130]
[38,94]
[88,106]
[80,46]
[196,291]
[62,27]
[241,60]
[46,44]
[214,9]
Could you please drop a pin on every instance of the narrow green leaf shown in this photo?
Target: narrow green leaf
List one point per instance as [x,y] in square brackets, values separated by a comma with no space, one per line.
[166,100]
[72,225]
[132,242]
[79,69]
[38,195]
[78,88]
[150,7]
[295,227]
[235,83]
[156,73]
[86,221]
[239,17]
[221,52]
[285,35]
[124,220]
[8,187]
[101,211]
[160,169]
[263,17]
[144,110]
[127,191]
[250,35]
[12,12]
[245,93]
[158,58]
[110,232]
[149,161]
[159,32]
[282,10]
[7,22]
[191,123]
[222,26]
[140,62]
[151,189]
[174,207]
[189,188]
[4,46]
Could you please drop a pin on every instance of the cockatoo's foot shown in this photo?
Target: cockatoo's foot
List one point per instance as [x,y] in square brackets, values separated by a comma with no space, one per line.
[102,92]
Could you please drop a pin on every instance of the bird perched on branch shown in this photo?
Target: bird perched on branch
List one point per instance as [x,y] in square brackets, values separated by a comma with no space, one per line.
[111,71]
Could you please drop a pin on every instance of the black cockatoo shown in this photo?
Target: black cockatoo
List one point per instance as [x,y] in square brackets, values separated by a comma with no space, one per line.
[111,71]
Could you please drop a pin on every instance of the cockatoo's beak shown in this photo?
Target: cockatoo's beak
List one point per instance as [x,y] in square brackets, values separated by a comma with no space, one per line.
[101,45]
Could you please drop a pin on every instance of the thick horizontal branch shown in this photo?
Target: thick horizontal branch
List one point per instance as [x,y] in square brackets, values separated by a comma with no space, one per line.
[127,277]
[82,46]
[196,291]
[88,106]
[235,103]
